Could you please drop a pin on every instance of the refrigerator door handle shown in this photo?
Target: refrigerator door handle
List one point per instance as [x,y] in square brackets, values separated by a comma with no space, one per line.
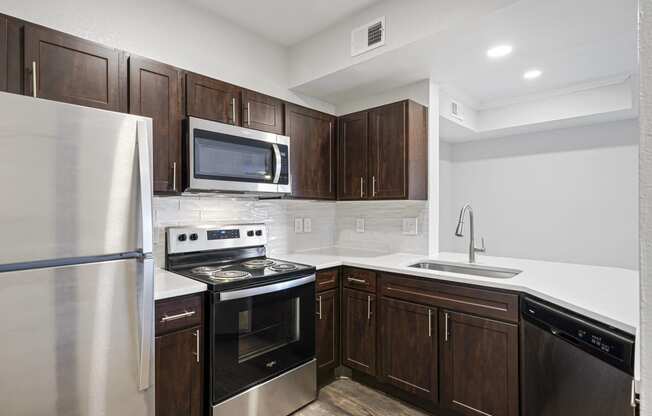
[146,325]
[144,166]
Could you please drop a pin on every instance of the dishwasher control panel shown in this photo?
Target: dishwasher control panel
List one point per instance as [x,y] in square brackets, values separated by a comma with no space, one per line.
[608,344]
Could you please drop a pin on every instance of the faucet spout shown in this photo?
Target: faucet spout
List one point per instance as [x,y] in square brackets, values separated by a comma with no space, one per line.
[459,232]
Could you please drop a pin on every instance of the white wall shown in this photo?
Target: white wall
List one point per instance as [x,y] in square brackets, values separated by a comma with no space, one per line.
[645,335]
[174,32]
[417,92]
[565,195]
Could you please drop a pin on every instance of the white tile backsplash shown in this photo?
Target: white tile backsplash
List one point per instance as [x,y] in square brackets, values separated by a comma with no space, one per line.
[332,223]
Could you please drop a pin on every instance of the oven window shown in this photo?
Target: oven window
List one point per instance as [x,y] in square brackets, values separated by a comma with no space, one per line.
[267,328]
[225,157]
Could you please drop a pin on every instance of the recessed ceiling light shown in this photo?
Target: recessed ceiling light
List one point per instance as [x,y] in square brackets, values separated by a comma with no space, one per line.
[499,51]
[532,74]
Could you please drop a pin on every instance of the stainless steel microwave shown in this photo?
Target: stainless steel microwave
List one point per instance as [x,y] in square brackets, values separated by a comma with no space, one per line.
[225,158]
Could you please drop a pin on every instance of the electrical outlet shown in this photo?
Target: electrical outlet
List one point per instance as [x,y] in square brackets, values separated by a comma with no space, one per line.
[359,225]
[307,225]
[298,225]
[410,226]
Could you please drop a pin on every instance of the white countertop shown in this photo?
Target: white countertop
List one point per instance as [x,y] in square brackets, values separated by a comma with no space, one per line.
[169,285]
[606,294]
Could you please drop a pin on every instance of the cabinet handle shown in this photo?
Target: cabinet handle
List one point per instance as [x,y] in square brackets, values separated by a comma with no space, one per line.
[634,401]
[330,153]
[168,318]
[430,323]
[34,79]
[369,308]
[446,317]
[196,354]
[233,109]
[174,176]
[248,114]
[354,280]
[361,187]
[373,186]
[319,313]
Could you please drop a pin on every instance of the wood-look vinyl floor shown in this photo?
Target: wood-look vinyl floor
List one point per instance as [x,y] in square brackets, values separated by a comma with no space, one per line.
[348,398]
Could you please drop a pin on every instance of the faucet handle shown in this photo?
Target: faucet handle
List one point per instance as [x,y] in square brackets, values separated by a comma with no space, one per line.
[481,249]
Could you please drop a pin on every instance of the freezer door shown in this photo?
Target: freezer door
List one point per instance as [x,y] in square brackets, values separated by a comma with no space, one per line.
[72,181]
[77,340]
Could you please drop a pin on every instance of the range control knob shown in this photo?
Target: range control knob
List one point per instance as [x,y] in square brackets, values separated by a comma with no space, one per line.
[250,233]
[259,232]
[182,237]
[194,237]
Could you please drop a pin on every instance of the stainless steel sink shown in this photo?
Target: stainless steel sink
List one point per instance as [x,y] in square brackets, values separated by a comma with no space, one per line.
[472,269]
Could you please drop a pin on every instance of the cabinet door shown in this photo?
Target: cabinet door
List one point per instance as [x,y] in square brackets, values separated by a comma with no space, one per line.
[408,340]
[262,112]
[327,330]
[3,52]
[155,91]
[73,70]
[359,331]
[215,100]
[479,359]
[388,151]
[352,160]
[312,152]
[179,362]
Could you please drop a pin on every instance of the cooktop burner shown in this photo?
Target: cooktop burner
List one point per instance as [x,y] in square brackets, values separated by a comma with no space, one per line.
[283,267]
[205,270]
[258,263]
[230,275]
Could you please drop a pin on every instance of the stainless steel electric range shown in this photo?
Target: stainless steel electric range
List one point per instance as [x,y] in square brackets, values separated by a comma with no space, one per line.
[261,319]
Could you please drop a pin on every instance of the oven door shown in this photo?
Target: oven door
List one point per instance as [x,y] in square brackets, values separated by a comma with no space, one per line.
[259,333]
[223,157]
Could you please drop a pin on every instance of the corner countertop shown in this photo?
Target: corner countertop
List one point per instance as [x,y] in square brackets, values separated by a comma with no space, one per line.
[169,285]
[607,294]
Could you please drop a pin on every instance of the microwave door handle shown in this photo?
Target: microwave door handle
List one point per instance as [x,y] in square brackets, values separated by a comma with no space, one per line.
[277,165]
[263,290]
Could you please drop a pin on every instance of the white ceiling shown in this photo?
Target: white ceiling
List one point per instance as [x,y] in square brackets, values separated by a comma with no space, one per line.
[284,21]
[571,41]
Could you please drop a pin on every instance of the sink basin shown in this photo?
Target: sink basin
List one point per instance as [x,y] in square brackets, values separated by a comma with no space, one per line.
[475,270]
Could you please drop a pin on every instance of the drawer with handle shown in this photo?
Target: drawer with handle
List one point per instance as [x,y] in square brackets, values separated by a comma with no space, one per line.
[326,280]
[178,313]
[359,279]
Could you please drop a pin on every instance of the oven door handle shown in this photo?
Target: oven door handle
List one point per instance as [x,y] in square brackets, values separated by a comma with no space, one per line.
[262,290]
[277,165]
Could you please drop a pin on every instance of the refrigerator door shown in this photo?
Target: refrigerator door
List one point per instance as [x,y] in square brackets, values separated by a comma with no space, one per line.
[72,179]
[77,340]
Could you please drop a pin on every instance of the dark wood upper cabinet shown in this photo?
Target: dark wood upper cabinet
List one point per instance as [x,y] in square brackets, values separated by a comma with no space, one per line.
[393,140]
[262,112]
[3,53]
[408,344]
[352,158]
[359,331]
[155,91]
[73,70]
[312,152]
[215,100]
[327,330]
[479,359]
[178,373]
[14,73]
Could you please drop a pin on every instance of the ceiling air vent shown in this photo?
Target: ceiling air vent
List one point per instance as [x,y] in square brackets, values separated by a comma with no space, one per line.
[457,110]
[368,37]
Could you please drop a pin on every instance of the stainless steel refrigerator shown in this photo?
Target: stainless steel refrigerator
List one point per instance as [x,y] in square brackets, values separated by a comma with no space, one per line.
[76,270]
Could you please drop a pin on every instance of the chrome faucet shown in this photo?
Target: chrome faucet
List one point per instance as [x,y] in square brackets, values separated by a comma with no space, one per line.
[459,233]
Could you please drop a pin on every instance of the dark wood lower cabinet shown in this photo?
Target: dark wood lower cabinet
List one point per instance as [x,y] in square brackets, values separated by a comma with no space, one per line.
[408,347]
[479,359]
[179,363]
[327,331]
[359,331]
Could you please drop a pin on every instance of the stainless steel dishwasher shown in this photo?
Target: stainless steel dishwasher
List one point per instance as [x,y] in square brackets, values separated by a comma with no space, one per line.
[573,366]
